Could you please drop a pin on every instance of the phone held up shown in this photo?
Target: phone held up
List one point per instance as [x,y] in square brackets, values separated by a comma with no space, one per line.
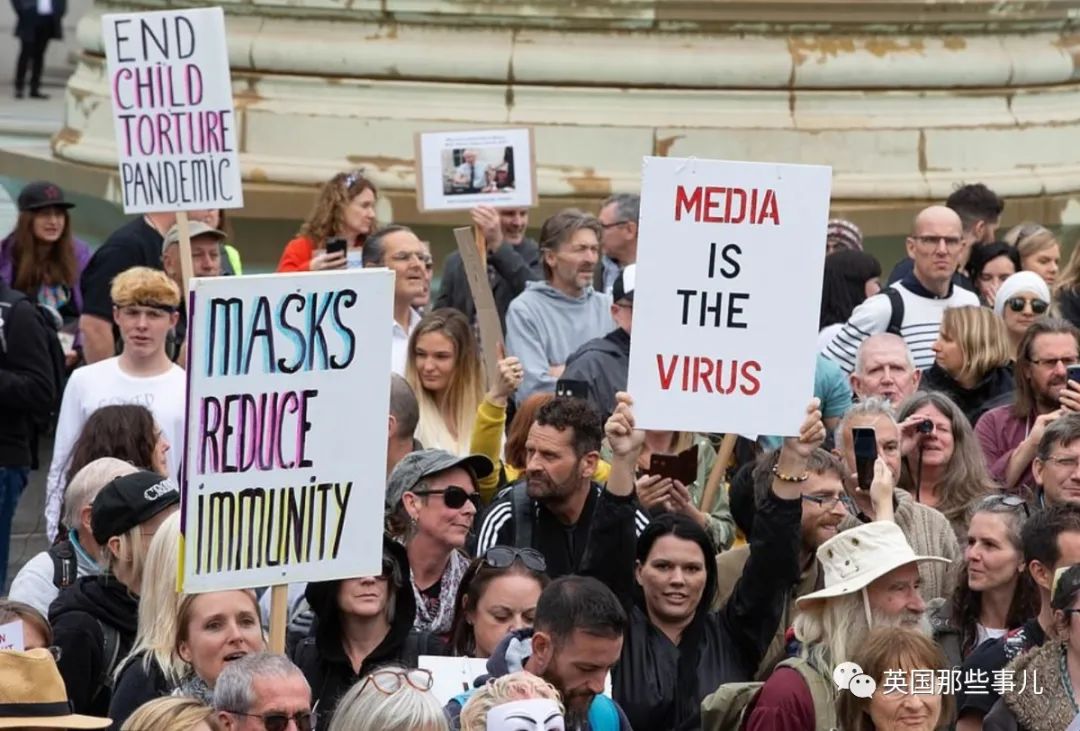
[865,443]
[569,388]
[336,245]
[681,467]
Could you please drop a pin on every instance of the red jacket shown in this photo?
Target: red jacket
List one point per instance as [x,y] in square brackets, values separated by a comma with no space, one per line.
[784,704]
[297,255]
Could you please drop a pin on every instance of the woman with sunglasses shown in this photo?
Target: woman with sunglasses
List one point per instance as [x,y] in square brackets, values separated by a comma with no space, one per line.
[1022,299]
[361,624]
[345,209]
[1039,250]
[392,698]
[971,360]
[995,592]
[1056,665]
[498,594]
[989,265]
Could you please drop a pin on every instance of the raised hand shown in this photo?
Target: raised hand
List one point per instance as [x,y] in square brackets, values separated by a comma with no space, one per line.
[623,437]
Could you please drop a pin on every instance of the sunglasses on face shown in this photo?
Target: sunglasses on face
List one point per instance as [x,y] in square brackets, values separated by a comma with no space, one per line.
[305,720]
[1017,304]
[455,497]
[389,682]
[503,557]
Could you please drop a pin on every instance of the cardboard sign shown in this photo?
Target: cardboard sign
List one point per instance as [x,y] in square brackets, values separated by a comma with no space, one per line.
[285,453]
[459,170]
[11,636]
[173,111]
[726,303]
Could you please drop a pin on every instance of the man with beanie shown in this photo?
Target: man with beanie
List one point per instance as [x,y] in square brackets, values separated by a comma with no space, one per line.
[95,619]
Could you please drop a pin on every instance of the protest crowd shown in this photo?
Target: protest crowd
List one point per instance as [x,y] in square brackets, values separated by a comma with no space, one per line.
[925,519]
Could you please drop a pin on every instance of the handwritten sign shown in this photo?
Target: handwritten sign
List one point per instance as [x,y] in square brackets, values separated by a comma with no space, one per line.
[173,110]
[285,453]
[11,636]
[726,303]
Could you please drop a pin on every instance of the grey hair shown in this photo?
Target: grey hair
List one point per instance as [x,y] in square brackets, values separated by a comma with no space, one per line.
[1064,431]
[627,205]
[233,691]
[871,407]
[403,406]
[879,337]
[374,252]
[87,483]
[366,708]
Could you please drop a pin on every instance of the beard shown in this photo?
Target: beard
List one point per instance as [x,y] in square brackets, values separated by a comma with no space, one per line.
[917,621]
[540,486]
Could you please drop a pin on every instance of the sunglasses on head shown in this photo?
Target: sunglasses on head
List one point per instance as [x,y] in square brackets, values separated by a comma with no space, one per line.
[455,497]
[305,720]
[1017,304]
[503,557]
[1011,501]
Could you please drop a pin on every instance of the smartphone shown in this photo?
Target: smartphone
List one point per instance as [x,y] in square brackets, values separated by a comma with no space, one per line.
[1074,373]
[682,466]
[569,388]
[336,245]
[865,443]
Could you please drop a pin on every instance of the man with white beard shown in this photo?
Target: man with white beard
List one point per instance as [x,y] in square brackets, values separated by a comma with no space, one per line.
[871,581]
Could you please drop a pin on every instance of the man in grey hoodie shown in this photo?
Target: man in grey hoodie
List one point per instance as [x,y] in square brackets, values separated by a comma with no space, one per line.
[553,318]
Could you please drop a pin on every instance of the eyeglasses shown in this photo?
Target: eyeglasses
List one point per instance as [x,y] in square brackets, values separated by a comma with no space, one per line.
[402,256]
[827,501]
[951,242]
[1012,501]
[606,226]
[455,497]
[1069,463]
[503,557]
[1068,360]
[305,720]
[1017,304]
[391,681]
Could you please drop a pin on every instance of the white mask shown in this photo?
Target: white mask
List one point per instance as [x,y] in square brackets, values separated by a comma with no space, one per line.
[537,714]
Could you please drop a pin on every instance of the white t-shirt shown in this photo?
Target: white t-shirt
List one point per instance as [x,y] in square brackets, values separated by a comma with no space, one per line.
[982,634]
[104,384]
[399,345]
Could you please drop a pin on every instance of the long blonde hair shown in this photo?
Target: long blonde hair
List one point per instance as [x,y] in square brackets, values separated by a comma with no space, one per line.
[830,630]
[171,713]
[982,337]
[463,392]
[1069,277]
[1030,238]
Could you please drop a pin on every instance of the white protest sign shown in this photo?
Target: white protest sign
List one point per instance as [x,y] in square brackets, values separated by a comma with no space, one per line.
[173,110]
[11,636]
[460,170]
[728,291]
[452,676]
[285,453]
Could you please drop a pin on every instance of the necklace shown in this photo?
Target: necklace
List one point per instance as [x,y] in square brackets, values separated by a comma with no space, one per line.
[1066,680]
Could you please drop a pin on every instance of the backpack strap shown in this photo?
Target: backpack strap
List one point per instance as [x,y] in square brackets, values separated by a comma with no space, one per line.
[524,513]
[821,690]
[603,714]
[65,564]
[896,318]
[111,654]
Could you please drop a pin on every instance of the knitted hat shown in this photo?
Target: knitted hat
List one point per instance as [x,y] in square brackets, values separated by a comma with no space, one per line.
[1018,284]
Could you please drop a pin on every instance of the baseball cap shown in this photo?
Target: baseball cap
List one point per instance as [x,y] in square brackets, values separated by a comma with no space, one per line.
[427,462]
[42,194]
[129,501]
[195,228]
[623,289]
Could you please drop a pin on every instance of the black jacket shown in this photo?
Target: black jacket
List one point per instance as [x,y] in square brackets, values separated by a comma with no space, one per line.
[509,268]
[26,11]
[26,383]
[321,656]
[653,682]
[1068,304]
[135,686]
[974,402]
[77,617]
[604,364]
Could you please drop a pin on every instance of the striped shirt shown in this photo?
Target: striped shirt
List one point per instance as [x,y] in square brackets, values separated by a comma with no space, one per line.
[919,328]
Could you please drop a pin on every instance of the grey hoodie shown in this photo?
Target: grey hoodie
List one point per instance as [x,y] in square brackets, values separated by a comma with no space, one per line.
[544,326]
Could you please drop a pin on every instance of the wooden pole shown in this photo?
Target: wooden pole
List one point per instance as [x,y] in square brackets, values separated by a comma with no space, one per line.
[723,459]
[491,337]
[279,606]
[481,243]
[187,270]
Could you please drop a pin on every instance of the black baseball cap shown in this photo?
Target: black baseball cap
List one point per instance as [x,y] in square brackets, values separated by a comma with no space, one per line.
[129,501]
[42,194]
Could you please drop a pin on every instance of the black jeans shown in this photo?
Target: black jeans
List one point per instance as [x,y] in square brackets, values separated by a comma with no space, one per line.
[32,54]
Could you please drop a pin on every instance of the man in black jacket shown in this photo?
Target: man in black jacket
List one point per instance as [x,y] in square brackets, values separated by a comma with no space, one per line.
[27,388]
[38,23]
[512,260]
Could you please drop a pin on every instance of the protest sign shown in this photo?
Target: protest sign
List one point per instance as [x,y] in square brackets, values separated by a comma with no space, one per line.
[452,676]
[487,316]
[168,73]
[730,258]
[285,450]
[11,636]
[460,170]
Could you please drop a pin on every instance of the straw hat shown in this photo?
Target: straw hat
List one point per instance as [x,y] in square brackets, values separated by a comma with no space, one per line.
[853,559]
[32,694]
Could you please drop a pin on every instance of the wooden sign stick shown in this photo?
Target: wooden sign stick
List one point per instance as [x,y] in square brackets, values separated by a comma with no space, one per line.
[279,606]
[723,459]
[187,270]
[491,337]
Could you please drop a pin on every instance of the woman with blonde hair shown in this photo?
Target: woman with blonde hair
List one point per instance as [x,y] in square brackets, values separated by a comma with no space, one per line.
[392,698]
[522,694]
[171,714]
[1039,250]
[971,360]
[345,209]
[212,630]
[1067,290]
[443,369]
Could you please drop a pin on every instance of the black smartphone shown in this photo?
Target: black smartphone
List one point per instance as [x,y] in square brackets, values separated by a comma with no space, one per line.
[569,388]
[336,245]
[682,466]
[1074,373]
[865,443]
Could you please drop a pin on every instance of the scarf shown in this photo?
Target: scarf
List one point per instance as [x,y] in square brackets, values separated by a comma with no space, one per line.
[439,621]
[195,687]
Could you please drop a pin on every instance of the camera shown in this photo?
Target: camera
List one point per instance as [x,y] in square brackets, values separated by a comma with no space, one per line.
[925,427]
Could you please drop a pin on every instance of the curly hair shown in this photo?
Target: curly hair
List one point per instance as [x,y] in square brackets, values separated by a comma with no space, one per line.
[124,431]
[37,265]
[519,686]
[144,286]
[326,217]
